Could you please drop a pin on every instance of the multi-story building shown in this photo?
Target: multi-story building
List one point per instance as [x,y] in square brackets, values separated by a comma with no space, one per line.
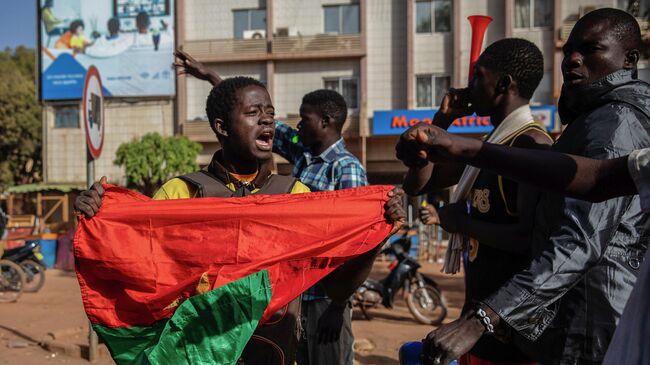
[388,58]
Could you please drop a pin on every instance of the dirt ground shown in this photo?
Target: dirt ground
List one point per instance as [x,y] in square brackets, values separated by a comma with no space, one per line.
[55,315]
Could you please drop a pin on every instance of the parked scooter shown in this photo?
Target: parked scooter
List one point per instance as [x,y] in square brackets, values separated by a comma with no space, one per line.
[30,259]
[423,298]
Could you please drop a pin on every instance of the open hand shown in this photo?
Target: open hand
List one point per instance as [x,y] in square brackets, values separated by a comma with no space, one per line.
[186,64]
[89,201]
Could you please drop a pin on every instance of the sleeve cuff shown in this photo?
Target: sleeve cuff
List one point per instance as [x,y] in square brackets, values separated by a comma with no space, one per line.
[638,164]
[521,310]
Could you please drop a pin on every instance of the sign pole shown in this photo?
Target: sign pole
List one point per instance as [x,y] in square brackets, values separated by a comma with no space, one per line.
[93,113]
[93,341]
[90,169]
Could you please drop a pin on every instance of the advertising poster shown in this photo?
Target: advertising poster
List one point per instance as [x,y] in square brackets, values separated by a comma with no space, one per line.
[131,42]
[395,122]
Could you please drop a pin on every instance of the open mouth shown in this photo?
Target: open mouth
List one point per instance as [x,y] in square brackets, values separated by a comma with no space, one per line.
[265,140]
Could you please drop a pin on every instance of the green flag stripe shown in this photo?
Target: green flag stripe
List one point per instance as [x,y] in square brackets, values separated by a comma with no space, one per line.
[211,328]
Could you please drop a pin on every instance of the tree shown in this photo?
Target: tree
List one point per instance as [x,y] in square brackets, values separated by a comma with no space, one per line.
[20,120]
[153,159]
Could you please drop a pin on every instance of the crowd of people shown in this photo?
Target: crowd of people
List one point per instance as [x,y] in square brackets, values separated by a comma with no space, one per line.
[555,231]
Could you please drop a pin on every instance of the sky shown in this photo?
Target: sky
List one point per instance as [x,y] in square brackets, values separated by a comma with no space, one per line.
[17,23]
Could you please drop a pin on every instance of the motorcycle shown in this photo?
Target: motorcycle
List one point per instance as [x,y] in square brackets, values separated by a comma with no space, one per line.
[12,281]
[423,297]
[30,259]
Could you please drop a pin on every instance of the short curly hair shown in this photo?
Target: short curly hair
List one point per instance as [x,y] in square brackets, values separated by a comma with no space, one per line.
[223,96]
[622,25]
[518,58]
[330,103]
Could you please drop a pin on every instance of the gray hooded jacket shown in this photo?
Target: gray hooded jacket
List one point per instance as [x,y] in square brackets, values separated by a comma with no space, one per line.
[568,302]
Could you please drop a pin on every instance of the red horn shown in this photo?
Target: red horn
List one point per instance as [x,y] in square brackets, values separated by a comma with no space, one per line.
[479,24]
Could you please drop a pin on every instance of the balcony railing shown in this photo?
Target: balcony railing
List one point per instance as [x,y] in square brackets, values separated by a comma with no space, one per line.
[227,49]
[294,47]
[344,45]
[198,131]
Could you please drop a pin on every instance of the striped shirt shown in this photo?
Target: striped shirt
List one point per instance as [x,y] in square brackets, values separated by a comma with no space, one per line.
[334,169]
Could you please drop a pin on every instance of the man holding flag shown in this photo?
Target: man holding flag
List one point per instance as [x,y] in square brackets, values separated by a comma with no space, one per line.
[202,317]
[321,160]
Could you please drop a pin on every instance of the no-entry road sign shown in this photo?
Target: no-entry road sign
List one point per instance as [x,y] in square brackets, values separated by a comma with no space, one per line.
[93,109]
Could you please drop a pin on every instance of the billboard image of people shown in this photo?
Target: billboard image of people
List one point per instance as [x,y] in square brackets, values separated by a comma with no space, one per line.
[131,42]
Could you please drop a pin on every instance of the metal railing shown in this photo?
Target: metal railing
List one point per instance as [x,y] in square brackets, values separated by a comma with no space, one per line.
[320,44]
[226,49]
[294,47]
[198,131]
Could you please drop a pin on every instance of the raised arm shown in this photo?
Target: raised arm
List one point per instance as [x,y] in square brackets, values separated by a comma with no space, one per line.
[186,64]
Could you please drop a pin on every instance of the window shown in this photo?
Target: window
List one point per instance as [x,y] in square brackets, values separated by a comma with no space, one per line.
[346,86]
[342,19]
[430,89]
[533,13]
[251,19]
[66,116]
[433,16]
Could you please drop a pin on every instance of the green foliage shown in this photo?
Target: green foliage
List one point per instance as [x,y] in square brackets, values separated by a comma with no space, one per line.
[20,119]
[153,159]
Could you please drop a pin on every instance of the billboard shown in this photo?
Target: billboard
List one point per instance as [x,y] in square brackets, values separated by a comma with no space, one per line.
[131,42]
[395,122]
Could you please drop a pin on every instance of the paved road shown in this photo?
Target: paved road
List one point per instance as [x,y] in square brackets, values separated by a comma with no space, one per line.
[56,313]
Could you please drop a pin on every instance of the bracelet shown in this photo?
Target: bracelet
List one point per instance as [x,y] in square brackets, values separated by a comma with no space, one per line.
[484,319]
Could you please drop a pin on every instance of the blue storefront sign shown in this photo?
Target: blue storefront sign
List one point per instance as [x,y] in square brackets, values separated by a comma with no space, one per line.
[394,122]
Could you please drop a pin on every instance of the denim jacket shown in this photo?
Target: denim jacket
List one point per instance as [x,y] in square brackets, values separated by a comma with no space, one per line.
[567,303]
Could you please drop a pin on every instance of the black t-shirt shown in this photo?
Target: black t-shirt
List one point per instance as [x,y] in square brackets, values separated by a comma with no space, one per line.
[493,200]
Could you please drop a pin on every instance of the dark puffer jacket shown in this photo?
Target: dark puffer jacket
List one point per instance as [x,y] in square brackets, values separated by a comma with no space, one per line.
[568,302]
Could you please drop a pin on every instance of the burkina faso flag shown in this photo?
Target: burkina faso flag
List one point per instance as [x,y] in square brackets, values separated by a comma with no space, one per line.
[188,281]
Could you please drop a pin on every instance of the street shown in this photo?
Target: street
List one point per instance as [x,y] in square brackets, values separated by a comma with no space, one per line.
[55,317]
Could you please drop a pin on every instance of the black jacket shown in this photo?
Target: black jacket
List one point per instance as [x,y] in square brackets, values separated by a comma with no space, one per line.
[569,300]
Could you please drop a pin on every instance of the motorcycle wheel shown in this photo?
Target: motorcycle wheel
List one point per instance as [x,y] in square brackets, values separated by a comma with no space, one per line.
[426,305]
[34,276]
[12,281]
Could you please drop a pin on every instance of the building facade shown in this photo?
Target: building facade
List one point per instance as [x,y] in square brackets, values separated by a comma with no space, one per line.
[385,57]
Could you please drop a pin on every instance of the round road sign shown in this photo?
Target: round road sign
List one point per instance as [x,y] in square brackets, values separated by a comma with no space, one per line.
[93,111]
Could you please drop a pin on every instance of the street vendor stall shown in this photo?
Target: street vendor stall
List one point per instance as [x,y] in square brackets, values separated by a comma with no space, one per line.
[41,212]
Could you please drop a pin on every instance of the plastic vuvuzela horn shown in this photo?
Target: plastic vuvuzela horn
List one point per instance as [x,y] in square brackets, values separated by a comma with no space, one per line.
[479,24]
